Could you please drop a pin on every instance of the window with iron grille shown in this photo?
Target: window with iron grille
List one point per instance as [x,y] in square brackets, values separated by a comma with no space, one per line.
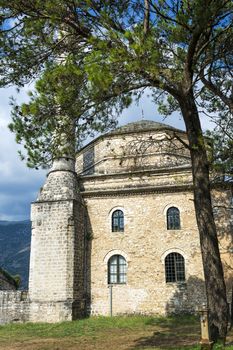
[174,268]
[118,221]
[173,218]
[117,269]
[89,161]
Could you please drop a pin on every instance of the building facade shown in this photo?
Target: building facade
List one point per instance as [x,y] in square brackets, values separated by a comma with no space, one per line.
[118,232]
[114,230]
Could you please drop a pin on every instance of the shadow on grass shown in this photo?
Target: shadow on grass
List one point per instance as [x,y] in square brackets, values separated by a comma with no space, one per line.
[171,333]
[177,333]
[182,331]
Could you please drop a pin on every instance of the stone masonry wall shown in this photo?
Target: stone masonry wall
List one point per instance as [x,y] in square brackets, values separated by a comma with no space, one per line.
[14,306]
[55,282]
[223,211]
[51,248]
[79,256]
[134,151]
[145,243]
[143,175]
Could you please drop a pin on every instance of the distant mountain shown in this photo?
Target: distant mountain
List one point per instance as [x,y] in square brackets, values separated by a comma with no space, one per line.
[15,239]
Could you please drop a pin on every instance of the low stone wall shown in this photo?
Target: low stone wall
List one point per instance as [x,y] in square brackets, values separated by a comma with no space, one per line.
[14,306]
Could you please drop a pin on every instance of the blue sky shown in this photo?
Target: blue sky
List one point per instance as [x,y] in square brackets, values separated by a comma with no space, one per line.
[18,184]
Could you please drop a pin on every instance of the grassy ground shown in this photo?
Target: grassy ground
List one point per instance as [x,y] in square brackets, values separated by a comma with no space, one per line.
[101,333]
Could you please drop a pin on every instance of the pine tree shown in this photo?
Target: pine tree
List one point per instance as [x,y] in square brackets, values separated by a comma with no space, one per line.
[178,49]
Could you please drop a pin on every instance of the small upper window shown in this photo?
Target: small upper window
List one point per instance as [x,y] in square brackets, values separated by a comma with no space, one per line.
[117,268]
[118,221]
[89,161]
[174,268]
[173,218]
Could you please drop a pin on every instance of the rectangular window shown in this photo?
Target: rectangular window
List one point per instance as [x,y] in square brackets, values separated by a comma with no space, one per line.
[88,161]
[174,268]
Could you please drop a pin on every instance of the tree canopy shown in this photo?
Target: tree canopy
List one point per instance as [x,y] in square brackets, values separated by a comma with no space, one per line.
[109,49]
[221,138]
[60,102]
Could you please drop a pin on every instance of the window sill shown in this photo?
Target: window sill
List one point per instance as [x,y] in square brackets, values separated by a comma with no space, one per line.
[181,284]
[174,229]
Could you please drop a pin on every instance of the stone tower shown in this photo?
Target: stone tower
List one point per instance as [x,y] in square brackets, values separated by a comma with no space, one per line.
[56,264]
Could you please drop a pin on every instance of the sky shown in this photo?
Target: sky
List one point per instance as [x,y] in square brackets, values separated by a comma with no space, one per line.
[19,185]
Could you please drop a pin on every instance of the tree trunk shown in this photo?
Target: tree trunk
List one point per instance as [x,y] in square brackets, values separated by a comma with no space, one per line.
[213,271]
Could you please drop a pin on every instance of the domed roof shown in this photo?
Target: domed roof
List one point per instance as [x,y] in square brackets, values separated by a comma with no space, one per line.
[142,125]
[135,127]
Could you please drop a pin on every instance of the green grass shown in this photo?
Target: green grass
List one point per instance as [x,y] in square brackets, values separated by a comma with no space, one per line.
[145,333]
[86,327]
[90,326]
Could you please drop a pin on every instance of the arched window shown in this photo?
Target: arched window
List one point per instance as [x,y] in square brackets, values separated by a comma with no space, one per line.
[117,268]
[174,268]
[118,221]
[173,218]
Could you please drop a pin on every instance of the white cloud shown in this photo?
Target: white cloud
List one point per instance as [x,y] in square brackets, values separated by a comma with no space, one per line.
[18,184]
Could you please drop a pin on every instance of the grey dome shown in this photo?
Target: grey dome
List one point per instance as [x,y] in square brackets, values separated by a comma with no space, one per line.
[142,125]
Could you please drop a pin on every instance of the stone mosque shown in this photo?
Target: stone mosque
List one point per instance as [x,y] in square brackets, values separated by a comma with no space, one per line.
[114,231]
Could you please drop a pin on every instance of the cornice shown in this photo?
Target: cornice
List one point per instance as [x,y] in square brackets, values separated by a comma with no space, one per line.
[136,190]
[144,190]
[42,201]
[159,171]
